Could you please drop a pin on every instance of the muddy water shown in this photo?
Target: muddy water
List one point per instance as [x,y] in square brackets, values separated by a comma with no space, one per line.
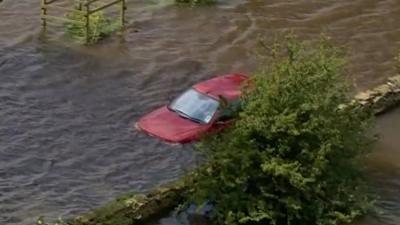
[66,111]
[384,171]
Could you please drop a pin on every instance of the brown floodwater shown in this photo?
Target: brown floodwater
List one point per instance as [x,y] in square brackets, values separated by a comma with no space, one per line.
[383,166]
[66,111]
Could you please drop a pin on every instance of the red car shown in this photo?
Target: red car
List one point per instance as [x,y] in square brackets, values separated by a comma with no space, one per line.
[195,112]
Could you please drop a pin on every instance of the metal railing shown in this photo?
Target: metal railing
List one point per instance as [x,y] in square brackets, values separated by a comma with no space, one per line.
[85,7]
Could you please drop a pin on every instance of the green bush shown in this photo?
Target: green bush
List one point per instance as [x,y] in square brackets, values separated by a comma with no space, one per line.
[292,157]
[99,26]
[197,2]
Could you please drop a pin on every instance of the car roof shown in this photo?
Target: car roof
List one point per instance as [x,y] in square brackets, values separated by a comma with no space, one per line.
[228,86]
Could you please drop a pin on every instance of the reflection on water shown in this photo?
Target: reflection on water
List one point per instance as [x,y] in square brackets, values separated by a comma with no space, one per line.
[66,112]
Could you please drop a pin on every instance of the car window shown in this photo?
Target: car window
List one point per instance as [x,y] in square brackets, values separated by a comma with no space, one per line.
[195,106]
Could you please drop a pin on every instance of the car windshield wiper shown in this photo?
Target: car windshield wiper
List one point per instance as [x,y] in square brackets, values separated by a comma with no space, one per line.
[186,116]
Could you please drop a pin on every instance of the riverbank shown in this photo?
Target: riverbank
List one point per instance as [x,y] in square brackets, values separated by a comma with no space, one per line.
[135,209]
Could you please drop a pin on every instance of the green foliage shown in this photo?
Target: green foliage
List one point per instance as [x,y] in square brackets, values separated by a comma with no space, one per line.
[99,26]
[292,157]
[197,2]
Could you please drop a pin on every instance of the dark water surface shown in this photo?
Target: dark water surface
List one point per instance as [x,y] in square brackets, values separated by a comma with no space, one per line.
[66,111]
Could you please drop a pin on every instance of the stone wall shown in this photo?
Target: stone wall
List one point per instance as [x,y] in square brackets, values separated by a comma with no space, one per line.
[382,98]
[134,209]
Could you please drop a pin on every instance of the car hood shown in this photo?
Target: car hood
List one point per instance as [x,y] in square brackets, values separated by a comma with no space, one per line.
[169,126]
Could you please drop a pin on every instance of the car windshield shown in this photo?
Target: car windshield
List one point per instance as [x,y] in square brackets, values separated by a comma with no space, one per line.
[195,106]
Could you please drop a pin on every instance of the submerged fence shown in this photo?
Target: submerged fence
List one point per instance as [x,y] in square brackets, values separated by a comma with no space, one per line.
[84,7]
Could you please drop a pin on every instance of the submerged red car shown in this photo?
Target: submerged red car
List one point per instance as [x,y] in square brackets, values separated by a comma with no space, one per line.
[194,112]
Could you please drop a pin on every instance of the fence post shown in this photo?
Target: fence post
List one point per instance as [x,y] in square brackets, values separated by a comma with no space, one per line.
[80,5]
[87,15]
[43,13]
[123,8]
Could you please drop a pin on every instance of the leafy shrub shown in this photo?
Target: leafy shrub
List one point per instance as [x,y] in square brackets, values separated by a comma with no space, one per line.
[99,26]
[292,157]
[197,2]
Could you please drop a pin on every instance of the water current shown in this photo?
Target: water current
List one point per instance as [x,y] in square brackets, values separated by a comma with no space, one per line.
[66,111]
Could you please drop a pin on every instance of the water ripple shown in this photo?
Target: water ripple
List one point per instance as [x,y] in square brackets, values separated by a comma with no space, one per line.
[67,141]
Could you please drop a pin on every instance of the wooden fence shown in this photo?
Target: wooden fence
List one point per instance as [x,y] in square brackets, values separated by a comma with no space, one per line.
[85,7]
